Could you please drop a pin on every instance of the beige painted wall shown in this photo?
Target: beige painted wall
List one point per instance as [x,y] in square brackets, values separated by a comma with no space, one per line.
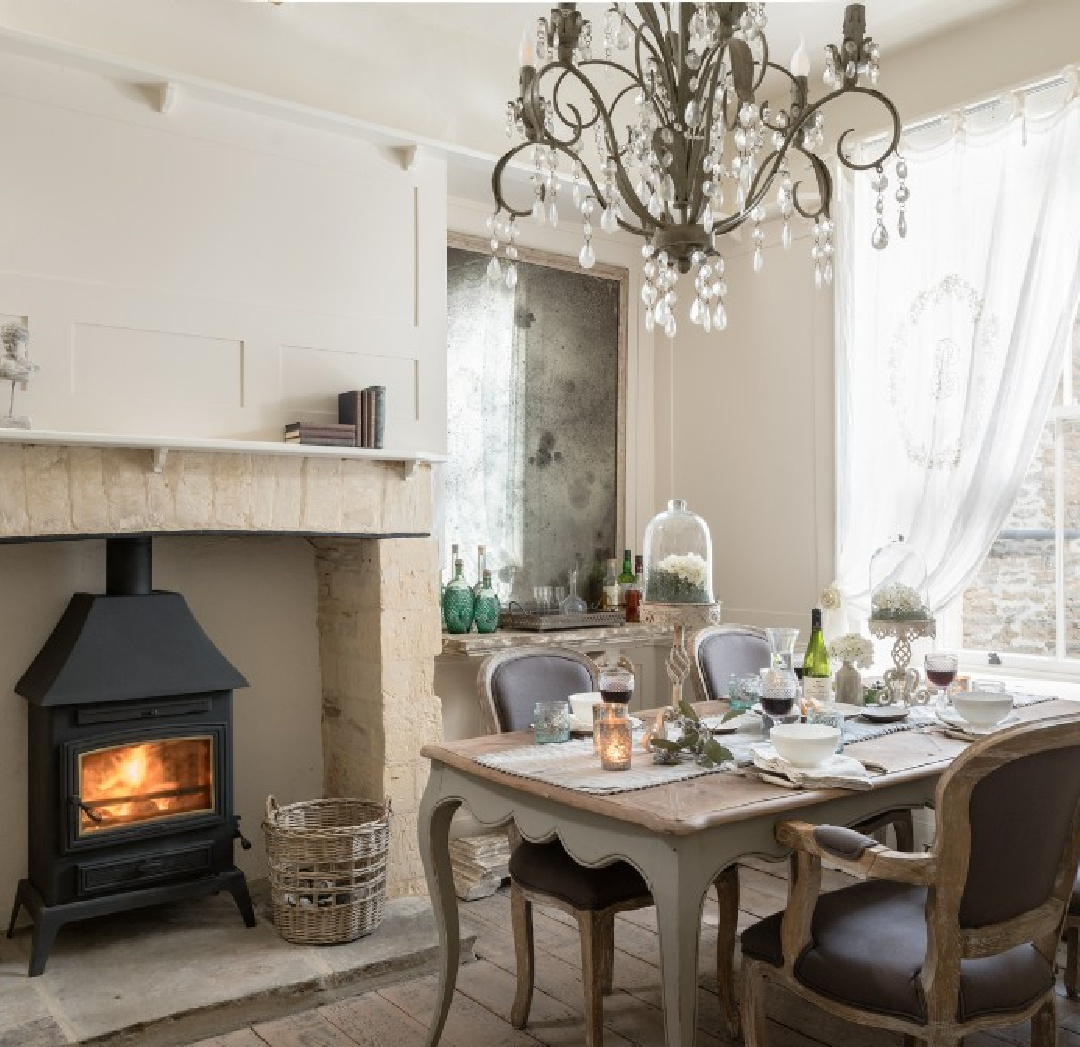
[206,272]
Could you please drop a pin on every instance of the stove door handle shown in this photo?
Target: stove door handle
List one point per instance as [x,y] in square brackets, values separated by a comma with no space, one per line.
[93,815]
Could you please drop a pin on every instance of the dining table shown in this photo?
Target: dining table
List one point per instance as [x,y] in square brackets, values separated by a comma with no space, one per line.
[681,835]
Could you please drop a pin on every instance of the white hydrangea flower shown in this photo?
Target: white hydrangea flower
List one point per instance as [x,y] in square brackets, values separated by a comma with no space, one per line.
[690,567]
[897,600]
[851,647]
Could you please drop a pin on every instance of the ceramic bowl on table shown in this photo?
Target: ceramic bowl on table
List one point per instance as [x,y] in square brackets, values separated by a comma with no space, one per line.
[983,707]
[804,744]
[581,705]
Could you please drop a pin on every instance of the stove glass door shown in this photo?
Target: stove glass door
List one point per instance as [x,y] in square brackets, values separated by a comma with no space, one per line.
[124,786]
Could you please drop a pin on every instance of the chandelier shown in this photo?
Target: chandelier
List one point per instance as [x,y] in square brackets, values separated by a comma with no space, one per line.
[687,149]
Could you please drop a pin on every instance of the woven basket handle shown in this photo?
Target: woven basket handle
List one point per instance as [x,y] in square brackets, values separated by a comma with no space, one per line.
[271,809]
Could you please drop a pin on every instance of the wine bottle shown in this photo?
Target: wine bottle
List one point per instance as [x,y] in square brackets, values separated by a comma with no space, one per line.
[635,592]
[626,577]
[481,566]
[815,675]
[611,587]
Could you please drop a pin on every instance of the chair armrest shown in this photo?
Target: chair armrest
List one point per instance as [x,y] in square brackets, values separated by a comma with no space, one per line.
[856,854]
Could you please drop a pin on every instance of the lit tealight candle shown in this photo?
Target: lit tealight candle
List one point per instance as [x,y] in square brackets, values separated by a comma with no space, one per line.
[614,739]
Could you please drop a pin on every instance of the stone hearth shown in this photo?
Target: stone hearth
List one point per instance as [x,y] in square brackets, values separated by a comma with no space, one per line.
[369,516]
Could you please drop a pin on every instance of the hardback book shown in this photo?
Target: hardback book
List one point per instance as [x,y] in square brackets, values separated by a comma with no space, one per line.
[324,441]
[343,435]
[378,414]
[368,427]
[351,412]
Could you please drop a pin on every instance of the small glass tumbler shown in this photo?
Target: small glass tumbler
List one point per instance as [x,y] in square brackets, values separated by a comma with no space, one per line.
[616,684]
[551,722]
[607,712]
[829,720]
[613,737]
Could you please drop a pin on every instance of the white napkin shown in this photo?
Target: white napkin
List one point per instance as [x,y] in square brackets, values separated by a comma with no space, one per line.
[837,772]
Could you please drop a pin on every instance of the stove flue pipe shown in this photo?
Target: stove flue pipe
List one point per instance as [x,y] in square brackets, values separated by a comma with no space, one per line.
[129,565]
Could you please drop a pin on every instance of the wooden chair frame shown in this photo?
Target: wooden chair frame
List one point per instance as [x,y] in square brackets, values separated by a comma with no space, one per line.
[1072,947]
[943,870]
[597,927]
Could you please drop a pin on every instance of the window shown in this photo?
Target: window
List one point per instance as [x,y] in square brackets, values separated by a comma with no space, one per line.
[1025,599]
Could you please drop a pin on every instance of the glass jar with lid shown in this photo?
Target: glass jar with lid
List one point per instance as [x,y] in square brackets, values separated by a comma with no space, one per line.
[898,583]
[678,557]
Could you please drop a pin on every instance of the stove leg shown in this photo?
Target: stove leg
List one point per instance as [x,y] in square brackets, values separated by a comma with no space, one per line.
[236,884]
[46,925]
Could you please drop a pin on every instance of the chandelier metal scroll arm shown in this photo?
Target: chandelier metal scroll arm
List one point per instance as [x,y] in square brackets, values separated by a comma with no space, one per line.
[894,139]
[625,188]
[824,184]
[701,150]
[666,61]
[578,122]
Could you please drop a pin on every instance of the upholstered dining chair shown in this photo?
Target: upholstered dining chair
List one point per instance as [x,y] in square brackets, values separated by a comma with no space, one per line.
[1072,940]
[938,945]
[509,684]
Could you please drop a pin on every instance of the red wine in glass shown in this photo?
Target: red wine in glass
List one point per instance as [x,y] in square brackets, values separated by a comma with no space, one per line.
[941,668]
[616,684]
[941,677]
[777,705]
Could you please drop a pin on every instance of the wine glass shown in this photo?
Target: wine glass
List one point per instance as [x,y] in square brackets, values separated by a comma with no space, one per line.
[616,684]
[941,669]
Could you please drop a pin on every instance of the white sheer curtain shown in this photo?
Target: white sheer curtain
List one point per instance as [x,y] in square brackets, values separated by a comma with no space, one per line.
[950,342]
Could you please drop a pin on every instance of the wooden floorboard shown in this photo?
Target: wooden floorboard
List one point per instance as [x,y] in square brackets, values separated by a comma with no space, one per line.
[398,1016]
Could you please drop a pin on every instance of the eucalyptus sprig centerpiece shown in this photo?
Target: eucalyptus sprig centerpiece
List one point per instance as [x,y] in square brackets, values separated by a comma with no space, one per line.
[694,739]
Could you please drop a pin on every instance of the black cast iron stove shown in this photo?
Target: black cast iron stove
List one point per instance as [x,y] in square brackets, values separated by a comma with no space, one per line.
[130,737]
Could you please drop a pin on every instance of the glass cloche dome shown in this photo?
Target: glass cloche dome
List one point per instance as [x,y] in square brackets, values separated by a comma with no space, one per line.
[898,583]
[678,557]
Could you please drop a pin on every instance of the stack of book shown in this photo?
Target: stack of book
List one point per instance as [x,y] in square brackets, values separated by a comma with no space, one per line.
[326,434]
[365,409]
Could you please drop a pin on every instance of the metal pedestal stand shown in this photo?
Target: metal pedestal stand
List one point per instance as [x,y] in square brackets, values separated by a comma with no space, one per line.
[902,682]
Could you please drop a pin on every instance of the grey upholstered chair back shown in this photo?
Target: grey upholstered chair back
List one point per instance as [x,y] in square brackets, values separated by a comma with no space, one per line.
[1022,818]
[1008,842]
[723,650]
[510,683]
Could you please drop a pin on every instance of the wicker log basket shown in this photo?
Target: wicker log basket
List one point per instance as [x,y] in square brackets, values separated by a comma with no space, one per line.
[327,868]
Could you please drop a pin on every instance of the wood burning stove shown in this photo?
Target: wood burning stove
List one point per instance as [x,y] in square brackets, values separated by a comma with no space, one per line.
[130,739]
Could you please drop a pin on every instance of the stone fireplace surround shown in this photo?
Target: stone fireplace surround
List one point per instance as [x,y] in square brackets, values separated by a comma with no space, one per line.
[368,515]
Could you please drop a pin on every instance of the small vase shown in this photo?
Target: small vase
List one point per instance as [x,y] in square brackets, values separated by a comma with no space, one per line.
[457,602]
[848,685]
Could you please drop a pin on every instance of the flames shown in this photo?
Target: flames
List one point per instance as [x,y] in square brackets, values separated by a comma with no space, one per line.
[127,784]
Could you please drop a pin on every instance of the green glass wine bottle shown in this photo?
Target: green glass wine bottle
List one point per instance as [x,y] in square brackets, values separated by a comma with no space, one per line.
[458,601]
[816,671]
[486,607]
[626,578]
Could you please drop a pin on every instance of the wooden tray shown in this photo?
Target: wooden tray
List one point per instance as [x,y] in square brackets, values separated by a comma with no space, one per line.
[547,621]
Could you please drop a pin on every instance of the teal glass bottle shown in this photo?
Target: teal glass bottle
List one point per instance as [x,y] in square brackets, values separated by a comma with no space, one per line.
[486,608]
[458,602]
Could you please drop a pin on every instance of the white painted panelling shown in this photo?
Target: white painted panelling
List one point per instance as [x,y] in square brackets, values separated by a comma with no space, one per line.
[204,230]
[117,364]
[307,372]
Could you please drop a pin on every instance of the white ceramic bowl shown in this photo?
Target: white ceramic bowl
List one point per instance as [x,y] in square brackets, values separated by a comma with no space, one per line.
[983,708]
[805,744]
[581,705]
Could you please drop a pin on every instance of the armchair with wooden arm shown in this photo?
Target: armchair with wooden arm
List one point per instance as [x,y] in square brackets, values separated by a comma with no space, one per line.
[937,945]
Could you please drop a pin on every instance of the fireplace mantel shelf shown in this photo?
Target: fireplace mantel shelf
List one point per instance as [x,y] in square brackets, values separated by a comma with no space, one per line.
[159,447]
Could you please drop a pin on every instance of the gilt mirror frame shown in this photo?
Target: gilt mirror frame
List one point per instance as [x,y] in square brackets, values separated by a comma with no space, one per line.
[603,271]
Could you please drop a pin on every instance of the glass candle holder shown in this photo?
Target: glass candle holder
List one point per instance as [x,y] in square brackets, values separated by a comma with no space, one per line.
[551,722]
[613,738]
[607,712]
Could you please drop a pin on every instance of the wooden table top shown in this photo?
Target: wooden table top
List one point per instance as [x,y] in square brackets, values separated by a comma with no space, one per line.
[689,806]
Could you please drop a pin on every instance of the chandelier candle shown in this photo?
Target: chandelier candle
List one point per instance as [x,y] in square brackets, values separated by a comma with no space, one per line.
[662,128]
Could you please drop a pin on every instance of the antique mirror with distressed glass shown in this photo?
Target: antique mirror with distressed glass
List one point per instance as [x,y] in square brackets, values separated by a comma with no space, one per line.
[536,393]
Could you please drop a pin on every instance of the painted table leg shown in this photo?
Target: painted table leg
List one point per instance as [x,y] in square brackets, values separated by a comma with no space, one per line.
[679,895]
[435,819]
[727,894]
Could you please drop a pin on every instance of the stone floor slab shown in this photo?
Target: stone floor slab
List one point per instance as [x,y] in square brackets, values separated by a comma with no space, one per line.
[134,976]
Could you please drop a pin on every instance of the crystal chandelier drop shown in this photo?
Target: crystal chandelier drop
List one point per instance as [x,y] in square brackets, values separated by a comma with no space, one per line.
[668,133]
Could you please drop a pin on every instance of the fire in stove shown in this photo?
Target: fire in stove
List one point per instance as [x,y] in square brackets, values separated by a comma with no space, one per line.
[133,784]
